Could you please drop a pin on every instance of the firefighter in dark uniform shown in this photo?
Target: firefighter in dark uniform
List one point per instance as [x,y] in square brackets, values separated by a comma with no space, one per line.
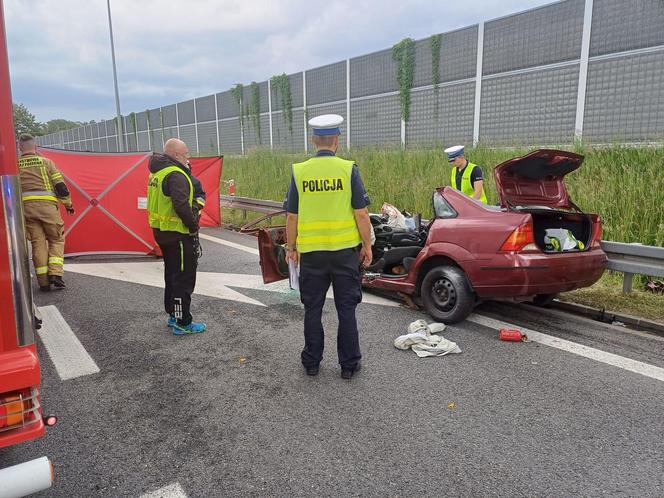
[171,215]
[42,189]
[465,176]
[328,231]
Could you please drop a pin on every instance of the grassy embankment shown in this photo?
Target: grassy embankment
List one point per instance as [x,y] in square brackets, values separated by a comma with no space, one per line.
[624,185]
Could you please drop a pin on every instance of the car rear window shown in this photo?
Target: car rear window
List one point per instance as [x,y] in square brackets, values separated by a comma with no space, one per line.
[442,208]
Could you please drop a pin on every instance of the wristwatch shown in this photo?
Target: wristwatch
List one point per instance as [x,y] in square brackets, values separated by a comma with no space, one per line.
[291,248]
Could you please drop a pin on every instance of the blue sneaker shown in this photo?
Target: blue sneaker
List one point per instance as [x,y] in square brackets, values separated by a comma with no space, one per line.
[192,328]
[171,321]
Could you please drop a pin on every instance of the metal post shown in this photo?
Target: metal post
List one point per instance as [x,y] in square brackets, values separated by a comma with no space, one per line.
[627,283]
[198,150]
[583,71]
[216,120]
[241,125]
[403,133]
[269,110]
[115,77]
[478,83]
[161,123]
[304,114]
[348,104]
[147,116]
[177,121]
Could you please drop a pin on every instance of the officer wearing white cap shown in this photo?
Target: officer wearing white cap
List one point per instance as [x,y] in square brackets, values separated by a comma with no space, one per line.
[465,176]
[328,231]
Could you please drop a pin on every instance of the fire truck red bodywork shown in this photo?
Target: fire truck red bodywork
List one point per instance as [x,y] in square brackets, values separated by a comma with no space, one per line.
[19,365]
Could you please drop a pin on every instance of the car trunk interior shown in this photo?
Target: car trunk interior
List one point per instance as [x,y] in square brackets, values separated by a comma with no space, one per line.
[579,224]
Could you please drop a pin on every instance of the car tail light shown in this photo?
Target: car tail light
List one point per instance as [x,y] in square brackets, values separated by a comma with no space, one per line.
[18,409]
[521,239]
[598,231]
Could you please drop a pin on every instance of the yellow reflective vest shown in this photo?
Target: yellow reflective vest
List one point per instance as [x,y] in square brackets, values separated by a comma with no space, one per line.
[161,213]
[325,220]
[466,185]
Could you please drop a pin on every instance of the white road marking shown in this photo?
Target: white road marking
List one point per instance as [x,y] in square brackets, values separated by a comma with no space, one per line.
[152,274]
[171,491]
[579,349]
[250,250]
[207,283]
[70,358]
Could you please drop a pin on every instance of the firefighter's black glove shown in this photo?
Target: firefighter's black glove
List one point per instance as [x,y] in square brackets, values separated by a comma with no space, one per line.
[70,209]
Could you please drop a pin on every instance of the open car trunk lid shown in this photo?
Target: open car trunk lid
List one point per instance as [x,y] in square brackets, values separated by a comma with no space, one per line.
[537,179]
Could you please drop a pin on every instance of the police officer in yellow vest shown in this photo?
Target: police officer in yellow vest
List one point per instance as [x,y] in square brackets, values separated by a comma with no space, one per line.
[42,187]
[172,217]
[329,231]
[465,176]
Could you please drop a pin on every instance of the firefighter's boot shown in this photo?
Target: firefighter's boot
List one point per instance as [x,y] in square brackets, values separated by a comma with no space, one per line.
[57,282]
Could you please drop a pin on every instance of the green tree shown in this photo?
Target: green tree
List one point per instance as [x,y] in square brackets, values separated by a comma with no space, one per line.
[55,125]
[25,121]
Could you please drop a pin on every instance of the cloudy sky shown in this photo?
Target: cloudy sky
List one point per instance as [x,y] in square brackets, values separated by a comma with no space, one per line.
[168,51]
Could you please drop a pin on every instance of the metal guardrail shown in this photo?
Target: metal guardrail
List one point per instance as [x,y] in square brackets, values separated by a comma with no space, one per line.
[629,259]
[247,204]
[634,259]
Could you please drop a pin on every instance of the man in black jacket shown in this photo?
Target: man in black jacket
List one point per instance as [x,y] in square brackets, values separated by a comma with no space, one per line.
[174,224]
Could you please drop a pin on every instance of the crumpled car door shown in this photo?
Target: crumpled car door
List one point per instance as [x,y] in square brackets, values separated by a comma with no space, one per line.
[272,254]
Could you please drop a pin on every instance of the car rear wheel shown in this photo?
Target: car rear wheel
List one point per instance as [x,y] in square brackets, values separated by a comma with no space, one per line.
[446,295]
[544,300]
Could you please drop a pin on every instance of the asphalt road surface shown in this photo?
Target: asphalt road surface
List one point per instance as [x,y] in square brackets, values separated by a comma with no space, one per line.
[231,413]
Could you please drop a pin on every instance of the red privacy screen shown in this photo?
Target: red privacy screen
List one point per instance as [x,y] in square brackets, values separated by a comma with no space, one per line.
[109,194]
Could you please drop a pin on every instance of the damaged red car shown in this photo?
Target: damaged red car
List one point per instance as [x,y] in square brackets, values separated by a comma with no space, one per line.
[534,245]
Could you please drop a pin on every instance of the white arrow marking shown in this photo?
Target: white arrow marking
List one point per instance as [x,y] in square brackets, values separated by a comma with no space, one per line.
[207,283]
[172,491]
[217,240]
[153,274]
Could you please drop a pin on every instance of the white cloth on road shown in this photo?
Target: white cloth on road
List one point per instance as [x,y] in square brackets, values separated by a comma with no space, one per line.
[422,339]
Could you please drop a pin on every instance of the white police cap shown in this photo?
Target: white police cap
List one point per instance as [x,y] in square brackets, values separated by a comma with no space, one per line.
[454,152]
[327,124]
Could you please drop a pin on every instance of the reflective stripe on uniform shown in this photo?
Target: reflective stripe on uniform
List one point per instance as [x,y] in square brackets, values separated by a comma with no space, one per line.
[39,195]
[41,270]
[37,192]
[181,257]
[327,225]
[40,198]
[333,240]
[55,260]
[159,217]
[46,179]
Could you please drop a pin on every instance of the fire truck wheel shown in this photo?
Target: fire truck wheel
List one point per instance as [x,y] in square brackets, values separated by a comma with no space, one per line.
[446,294]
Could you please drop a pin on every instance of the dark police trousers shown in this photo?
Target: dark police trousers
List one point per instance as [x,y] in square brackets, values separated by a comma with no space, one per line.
[180,263]
[317,270]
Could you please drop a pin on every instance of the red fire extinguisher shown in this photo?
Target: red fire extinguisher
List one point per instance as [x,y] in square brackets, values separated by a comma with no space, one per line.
[231,187]
[512,335]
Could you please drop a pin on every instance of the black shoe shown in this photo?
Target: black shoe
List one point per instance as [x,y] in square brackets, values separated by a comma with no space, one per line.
[347,373]
[312,370]
[57,282]
[45,288]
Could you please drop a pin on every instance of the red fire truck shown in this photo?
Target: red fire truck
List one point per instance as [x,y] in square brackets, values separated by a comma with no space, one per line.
[21,415]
